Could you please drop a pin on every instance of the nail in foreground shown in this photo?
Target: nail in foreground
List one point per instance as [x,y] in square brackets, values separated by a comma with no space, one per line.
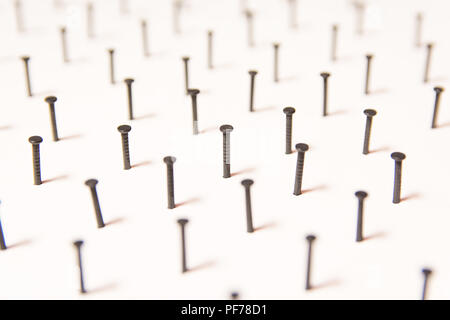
[124,129]
[438,91]
[35,141]
[2,238]
[369,58]
[361,195]
[26,61]
[129,82]
[289,111]
[226,129]
[427,63]
[370,113]
[247,183]
[51,103]
[301,149]
[252,74]
[186,74]
[193,93]
[310,239]
[182,223]
[398,157]
[169,161]
[78,244]
[426,274]
[325,76]
[92,183]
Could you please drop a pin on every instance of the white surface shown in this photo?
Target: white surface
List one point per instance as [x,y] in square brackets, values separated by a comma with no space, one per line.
[139,255]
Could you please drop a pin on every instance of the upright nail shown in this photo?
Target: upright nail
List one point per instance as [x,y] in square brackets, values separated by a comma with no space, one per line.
[370,113]
[226,129]
[78,245]
[193,93]
[182,223]
[26,61]
[438,91]
[129,82]
[293,13]
[35,141]
[310,239]
[145,38]
[111,66]
[186,74]
[169,161]
[398,157]
[51,103]
[249,16]
[427,63]
[124,8]
[2,238]
[234,296]
[90,19]
[177,5]
[419,19]
[252,74]
[64,44]
[19,15]
[426,274]
[124,129]
[210,49]
[289,111]
[360,8]
[247,183]
[361,195]
[369,60]
[276,47]
[325,76]
[301,149]
[334,42]
[92,183]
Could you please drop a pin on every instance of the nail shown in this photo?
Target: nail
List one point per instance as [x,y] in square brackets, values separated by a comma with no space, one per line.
[310,240]
[370,114]
[234,296]
[193,93]
[182,223]
[369,60]
[427,62]
[169,161]
[361,195]
[301,149]
[210,49]
[19,15]
[111,66]
[419,19]
[334,43]
[64,45]
[249,16]
[398,157]
[130,98]
[177,5]
[186,74]
[360,8]
[293,13]
[325,76]
[252,73]
[90,19]
[276,47]
[92,183]
[426,274]
[438,91]
[289,111]
[247,183]
[2,238]
[124,129]
[51,103]
[124,7]
[226,129]
[145,38]
[35,141]
[26,60]
[78,245]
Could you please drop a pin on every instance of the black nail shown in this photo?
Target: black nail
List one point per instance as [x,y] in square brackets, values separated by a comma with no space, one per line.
[426,273]
[370,114]
[124,129]
[64,44]
[51,103]
[325,76]
[419,19]
[35,141]
[169,161]
[111,66]
[2,238]
[361,195]
[234,296]
[27,74]
[427,62]
[310,240]
[276,47]
[252,73]
[145,38]
[249,16]
[92,183]
[90,19]
[186,73]
[301,149]
[129,82]
[289,111]
[182,223]
[78,245]
[369,60]
[334,42]
[19,15]
[226,130]
[438,91]
[193,93]
[210,49]
[398,157]
[247,183]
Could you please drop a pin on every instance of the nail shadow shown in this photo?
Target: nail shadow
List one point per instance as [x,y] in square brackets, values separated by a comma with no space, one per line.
[288,78]
[379,91]
[62,177]
[106,287]
[411,196]
[264,109]
[266,226]
[202,266]
[73,136]
[380,149]
[186,202]
[141,164]
[243,171]
[337,112]
[145,116]
[6,127]
[375,236]
[442,125]
[326,284]
[19,244]
[209,129]
[115,221]
[316,188]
